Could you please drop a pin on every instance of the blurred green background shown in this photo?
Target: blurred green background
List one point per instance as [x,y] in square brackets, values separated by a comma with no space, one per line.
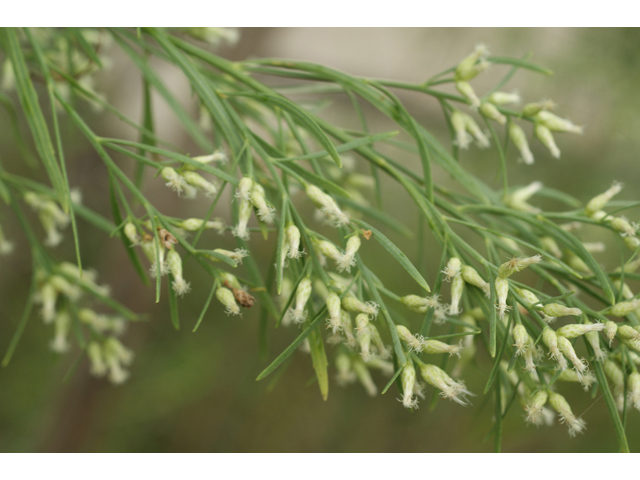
[197,391]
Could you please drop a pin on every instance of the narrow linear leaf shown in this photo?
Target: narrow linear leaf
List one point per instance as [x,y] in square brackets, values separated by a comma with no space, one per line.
[396,253]
[319,360]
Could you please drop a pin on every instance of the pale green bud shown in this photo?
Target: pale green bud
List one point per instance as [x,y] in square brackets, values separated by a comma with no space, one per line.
[566,348]
[457,288]
[577,263]
[521,339]
[413,342]
[180,286]
[439,379]
[195,224]
[230,279]
[48,297]
[516,264]
[226,298]
[265,212]
[610,330]
[546,138]
[453,268]
[175,181]
[518,199]
[575,329]
[219,156]
[474,129]
[408,378]
[558,310]
[473,64]
[327,206]
[623,309]
[472,277]
[244,188]
[532,109]
[244,214]
[535,406]
[353,304]
[237,255]
[502,291]
[633,384]
[196,180]
[490,111]
[598,202]
[560,405]
[131,232]
[436,347]
[550,339]
[557,124]
[629,334]
[623,226]
[94,352]
[632,243]
[585,380]
[594,340]
[551,246]
[293,241]
[466,90]
[62,325]
[504,98]
[529,297]
[348,260]
[333,307]
[420,304]
[328,249]
[459,124]
[343,366]
[303,292]
[364,335]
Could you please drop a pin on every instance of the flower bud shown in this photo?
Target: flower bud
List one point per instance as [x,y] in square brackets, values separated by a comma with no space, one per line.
[353,304]
[244,214]
[546,138]
[529,297]
[244,188]
[473,64]
[474,129]
[131,232]
[623,226]
[459,124]
[343,366]
[436,347]
[490,111]
[195,224]
[364,336]
[219,156]
[502,291]
[237,255]
[333,307]
[551,246]
[623,309]
[292,241]
[439,379]
[180,286]
[327,206]
[94,352]
[610,330]
[558,310]
[328,249]
[550,339]
[303,292]
[420,304]
[575,329]
[453,268]
[518,199]
[504,98]
[566,348]
[516,264]
[594,340]
[598,202]
[466,90]
[557,124]
[62,324]
[633,384]
[535,405]
[414,342]
[346,261]
[521,339]
[175,181]
[408,378]
[198,181]
[472,277]
[585,380]
[560,405]
[457,288]
[532,109]
[265,212]
[226,298]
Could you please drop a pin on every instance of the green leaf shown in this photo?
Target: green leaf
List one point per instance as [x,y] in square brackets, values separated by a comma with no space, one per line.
[520,63]
[206,305]
[34,116]
[393,379]
[319,360]
[26,313]
[300,116]
[396,253]
[280,251]
[295,344]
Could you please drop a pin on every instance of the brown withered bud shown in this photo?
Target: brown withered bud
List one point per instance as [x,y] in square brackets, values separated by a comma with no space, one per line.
[366,234]
[166,239]
[243,297]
